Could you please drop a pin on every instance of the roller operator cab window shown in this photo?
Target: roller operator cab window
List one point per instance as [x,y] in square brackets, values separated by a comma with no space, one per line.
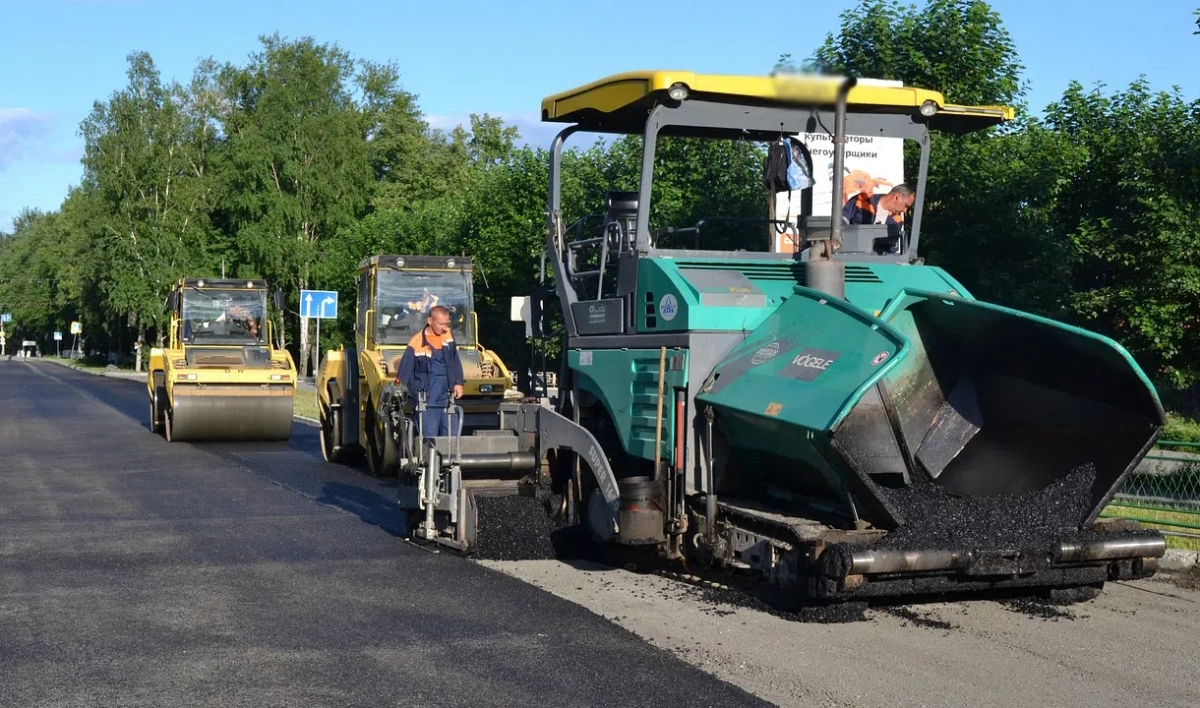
[405,298]
[224,316]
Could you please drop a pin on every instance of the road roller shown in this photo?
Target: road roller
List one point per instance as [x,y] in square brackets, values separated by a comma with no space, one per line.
[220,376]
[355,385]
[824,416]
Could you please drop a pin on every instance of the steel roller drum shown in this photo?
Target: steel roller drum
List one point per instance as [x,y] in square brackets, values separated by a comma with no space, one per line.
[231,413]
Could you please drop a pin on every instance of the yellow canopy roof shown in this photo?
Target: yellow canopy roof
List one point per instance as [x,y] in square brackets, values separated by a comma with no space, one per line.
[617,102]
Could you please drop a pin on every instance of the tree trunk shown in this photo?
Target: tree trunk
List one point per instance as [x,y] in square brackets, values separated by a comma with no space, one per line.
[141,341]
[304,343]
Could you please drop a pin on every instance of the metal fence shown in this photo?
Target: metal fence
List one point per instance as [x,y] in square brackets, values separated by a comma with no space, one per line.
[1164,491]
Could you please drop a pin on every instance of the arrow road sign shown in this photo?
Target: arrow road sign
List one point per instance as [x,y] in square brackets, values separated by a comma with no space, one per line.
[321,304]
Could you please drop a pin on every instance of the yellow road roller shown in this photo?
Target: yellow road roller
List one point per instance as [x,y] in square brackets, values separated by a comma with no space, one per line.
[354,385]
[220,377]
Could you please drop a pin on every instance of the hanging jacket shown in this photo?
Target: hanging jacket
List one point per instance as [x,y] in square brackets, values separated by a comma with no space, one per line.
[775,167]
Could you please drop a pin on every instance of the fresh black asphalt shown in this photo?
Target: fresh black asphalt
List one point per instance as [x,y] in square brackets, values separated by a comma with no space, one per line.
[134,572]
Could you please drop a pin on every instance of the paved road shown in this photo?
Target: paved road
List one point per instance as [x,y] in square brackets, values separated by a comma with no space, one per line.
[137,573]
[1135,645]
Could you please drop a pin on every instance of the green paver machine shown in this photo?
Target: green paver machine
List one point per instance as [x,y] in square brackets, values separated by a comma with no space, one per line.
[837,419]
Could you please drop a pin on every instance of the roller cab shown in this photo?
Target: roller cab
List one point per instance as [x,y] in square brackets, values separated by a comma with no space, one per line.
[356,386]
[219,377]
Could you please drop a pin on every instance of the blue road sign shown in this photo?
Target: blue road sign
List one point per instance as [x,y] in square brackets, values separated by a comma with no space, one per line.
[6,317]
[321,304]
[58,336]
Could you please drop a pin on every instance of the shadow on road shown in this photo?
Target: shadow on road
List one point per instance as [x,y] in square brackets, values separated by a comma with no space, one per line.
[297,463]
[368,505]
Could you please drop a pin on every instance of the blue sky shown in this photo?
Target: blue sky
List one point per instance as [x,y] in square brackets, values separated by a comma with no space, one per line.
[498,57]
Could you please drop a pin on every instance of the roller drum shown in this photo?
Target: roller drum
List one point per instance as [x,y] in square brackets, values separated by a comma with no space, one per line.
[231,414]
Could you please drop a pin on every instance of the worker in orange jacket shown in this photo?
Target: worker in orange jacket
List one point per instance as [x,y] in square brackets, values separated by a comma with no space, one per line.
[431,364]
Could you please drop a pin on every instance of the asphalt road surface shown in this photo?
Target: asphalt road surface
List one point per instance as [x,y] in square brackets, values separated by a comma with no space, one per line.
[137,573]
[134,572]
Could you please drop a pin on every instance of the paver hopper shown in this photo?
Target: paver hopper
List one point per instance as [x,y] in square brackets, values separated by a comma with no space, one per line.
[962,437]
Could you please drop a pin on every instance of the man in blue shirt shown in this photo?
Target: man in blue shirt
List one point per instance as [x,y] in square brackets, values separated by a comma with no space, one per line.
[431,364]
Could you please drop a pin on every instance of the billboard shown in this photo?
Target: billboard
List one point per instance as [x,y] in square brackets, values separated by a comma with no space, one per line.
[873,166]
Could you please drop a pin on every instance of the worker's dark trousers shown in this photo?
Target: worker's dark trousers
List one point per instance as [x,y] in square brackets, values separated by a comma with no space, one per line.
[434,421]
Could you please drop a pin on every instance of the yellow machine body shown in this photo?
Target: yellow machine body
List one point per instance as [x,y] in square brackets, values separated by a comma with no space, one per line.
[219,377]
[394,296]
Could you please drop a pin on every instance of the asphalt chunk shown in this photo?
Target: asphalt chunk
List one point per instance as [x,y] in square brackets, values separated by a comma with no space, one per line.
[935,518]
[724,601]
[918,619]
[516,528]
[1037,608]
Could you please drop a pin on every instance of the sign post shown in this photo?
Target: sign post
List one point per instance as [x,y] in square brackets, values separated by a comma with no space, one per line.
[4,319]
[58,344]
[321,304]
[76,330]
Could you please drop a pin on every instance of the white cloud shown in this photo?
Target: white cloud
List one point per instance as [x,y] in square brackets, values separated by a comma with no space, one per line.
[23,134]
[25,137]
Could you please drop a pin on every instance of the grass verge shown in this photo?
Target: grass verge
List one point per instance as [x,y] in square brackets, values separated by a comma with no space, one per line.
[305,403]
[1149,515]
[1181,429]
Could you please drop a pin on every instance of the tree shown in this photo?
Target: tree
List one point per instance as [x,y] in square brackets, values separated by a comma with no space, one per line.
[296,165]
[1130,208]
[957,47]
[145,159]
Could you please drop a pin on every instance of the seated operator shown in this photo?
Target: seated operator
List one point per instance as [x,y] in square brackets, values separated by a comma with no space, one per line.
[431,364]
[242,317]
[886,209]
[427,301]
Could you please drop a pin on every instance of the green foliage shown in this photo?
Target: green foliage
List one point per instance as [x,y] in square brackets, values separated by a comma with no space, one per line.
[957,47]
[1131,214]
[301,161]
[1181,429]
[146,171]
[1087,215]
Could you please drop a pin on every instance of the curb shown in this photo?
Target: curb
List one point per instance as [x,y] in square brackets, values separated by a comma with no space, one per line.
[1175,559]
[307,421]
[121,374]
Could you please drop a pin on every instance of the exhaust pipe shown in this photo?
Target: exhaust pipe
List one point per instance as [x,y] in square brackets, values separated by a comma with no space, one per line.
[822,272]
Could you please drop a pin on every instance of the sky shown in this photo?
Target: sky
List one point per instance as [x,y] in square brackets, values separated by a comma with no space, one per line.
[60,56]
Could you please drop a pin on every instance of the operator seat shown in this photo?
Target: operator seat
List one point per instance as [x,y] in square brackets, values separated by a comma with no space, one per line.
[622,208]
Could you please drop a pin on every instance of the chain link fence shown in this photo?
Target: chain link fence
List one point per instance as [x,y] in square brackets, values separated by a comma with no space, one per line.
[1164,493]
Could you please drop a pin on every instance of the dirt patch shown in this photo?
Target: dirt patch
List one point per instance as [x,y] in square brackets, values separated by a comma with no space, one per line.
[1187,579]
